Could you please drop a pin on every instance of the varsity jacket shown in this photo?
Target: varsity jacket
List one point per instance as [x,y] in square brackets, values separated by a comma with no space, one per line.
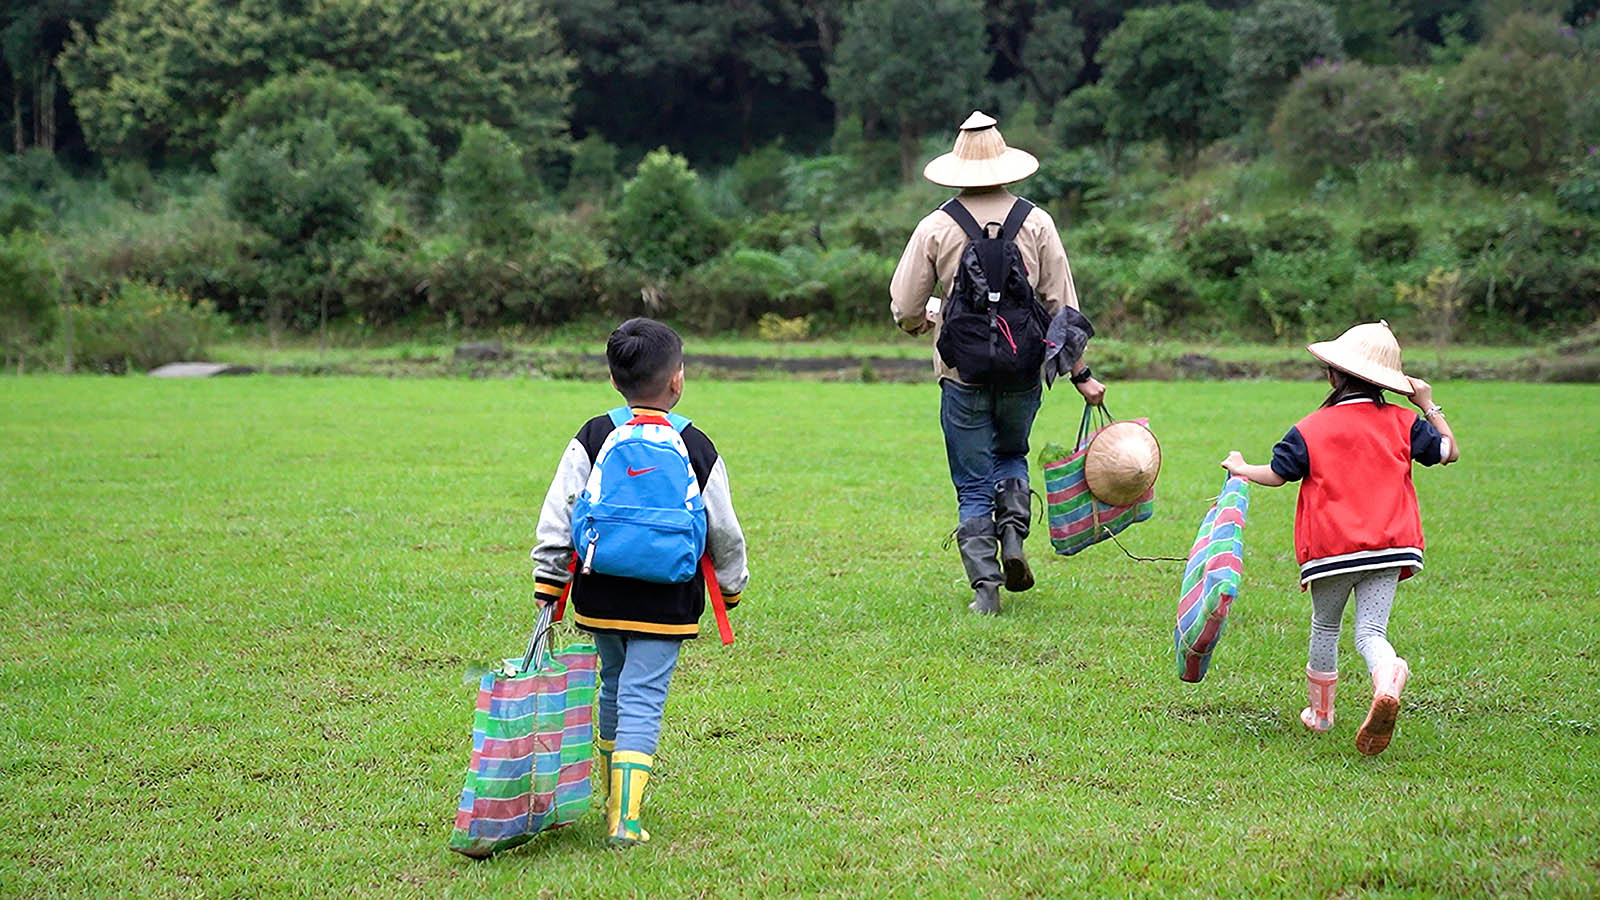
[617,605]
[1358,507]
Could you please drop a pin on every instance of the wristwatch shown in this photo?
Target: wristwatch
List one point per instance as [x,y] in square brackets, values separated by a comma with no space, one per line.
[1081,377]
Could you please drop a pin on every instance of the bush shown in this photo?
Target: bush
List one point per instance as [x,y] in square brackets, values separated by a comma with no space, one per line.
[844,286]
[1218,249]
[775,231]
[34,171]
[1165,292]
[663,225]
[1505,113]
[735,289]
[1297,230]
[141,326]
[1298,294]
[486,188]
[131,180]
[759,181]
[28,295]
[1393,240]
[1114,239]
[593,175]
[1335,116]
[1578,188]
[1538,290]
[1271,42]
[394,142]
[19,213]
[1069,181]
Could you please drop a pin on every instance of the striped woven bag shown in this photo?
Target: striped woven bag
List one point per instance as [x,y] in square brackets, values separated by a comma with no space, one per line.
[532,747]
[1077,519]
[1211,580]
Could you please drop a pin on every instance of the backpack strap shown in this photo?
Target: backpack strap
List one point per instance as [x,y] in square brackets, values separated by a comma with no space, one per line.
[620,416]
[1014,219]
[955,210]
[678,423]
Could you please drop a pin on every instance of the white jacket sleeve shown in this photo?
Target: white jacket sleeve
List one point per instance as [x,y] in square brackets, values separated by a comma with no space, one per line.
[553,552]
[724,539]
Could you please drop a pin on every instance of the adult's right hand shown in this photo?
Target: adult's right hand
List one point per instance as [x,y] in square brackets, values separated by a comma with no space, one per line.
[1094,393]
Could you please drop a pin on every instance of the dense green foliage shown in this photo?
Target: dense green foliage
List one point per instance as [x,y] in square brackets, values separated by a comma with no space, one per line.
[241,610]
[384,162]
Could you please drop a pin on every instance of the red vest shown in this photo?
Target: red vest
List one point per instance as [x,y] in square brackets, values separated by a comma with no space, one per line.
[1357,495]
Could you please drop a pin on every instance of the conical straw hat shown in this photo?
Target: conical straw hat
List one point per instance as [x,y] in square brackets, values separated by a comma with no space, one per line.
[1122,463]
[1366,351]
[980,158]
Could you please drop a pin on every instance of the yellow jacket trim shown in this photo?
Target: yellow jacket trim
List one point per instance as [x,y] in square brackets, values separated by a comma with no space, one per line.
[693,628]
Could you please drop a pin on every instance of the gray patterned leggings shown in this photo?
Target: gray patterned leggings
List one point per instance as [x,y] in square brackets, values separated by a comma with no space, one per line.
[1374,598]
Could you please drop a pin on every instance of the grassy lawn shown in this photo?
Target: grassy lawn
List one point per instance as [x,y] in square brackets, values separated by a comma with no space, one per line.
[238,613]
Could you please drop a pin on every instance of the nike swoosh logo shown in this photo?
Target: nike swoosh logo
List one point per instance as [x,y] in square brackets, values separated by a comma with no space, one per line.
[635,473]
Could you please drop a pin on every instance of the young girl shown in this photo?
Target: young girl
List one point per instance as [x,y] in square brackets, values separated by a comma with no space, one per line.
[1357,526]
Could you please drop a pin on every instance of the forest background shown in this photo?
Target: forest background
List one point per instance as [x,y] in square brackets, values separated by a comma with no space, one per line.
[183,169]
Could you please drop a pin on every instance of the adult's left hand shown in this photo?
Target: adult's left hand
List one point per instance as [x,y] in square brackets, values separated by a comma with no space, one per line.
[1094,393]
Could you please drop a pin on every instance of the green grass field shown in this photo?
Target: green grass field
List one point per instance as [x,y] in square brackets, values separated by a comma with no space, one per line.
[238,613]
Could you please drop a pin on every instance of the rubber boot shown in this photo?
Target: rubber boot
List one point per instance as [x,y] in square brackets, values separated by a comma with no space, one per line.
[630,772]
[604,748]
[976,541]
[1387,683]
[1319,691]
[1011,521]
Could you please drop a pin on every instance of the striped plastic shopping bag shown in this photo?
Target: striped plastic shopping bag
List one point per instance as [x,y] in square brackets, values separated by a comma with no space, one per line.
[532,746]
[1077,519]
[1211,580]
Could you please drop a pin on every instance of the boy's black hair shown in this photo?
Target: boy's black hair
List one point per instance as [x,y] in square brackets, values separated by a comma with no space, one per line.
[1347,386]
[643,355]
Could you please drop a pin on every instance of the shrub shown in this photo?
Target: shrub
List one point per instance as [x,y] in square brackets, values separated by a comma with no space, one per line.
[1271,42]
[758,179]
[1114,239]
[593,175]
[130,180]
[28,295]
[1298,294]
[842,286]
[734,289]
[1218,249]
[1296,230]
[1165,291]
[1335,116]
[394,142]
[1538,290]
[19,213]
[873,232]
[141,326]
[663,225]
[775,231]
[487,189]
[1578,188]
[1070,181]
[1394,240]
[1504,114]
[34,171]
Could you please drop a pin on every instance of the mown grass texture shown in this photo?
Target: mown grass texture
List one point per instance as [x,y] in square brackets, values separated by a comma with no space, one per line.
[239,612]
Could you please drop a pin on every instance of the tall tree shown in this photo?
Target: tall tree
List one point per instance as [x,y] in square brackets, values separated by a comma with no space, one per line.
[1271,43]
[32,33]
[909,65]
[1167,69]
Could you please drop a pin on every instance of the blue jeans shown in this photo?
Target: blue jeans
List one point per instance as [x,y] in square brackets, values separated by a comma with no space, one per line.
[634,673]
[986,438]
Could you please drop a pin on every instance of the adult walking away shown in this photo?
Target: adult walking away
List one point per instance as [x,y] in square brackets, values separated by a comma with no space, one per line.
[988,363]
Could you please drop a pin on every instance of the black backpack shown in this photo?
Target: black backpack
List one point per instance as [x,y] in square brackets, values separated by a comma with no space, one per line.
[993,326]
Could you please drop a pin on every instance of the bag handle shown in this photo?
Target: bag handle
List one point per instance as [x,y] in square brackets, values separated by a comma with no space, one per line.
[539,643]
[1092,422]
[718,607]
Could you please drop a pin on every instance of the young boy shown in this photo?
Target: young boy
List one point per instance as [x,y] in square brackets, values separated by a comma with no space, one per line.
[637,625]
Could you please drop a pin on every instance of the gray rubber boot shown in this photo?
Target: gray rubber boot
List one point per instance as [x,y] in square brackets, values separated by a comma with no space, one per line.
[976,541]
[1011,521]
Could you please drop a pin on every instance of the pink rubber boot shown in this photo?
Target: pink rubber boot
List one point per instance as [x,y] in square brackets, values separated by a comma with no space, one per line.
[1319,691]
[1387,683]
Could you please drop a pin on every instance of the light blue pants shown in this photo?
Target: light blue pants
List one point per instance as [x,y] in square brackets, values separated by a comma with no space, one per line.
[634,673]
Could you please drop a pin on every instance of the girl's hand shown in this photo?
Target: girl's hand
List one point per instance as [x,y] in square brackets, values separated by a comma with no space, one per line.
[1421,393]
[1235,464]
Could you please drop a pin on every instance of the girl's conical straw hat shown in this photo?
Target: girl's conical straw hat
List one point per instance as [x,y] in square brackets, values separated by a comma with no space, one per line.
[980,158]
[1368,351]
[1121,463]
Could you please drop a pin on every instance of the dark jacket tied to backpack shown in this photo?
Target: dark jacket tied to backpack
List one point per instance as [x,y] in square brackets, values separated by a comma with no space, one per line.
[994,326]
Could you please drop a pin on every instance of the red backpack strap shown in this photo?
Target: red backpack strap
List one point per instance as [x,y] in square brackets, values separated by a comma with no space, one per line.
[718,608]
[561,603]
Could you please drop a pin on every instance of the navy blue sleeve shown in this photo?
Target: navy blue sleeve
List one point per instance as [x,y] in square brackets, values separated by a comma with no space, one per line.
[1290,459]
[1427,444]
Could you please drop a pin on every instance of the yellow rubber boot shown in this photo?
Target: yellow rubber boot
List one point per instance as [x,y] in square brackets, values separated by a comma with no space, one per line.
[604,747]
[630,772]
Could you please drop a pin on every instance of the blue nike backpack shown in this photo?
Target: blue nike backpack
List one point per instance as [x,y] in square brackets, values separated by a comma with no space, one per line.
[641,514]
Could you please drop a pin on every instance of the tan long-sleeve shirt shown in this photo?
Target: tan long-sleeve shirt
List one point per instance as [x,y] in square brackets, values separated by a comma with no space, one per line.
[934,252]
